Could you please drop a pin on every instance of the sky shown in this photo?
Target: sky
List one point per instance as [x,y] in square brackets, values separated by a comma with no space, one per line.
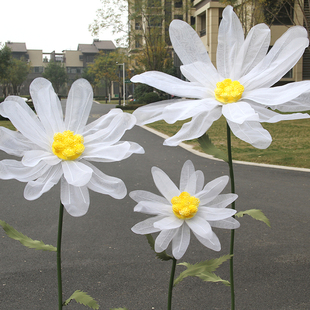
[55,25]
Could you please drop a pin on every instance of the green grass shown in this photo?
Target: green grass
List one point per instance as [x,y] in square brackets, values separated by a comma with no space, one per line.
[290,145]
[7,124]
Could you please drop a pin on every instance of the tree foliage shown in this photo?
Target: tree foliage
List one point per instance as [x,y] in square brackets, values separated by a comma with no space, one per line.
[5,58]
[56,73]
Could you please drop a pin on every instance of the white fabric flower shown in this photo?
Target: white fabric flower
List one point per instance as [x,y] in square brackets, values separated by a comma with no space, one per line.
[244,62]
[191,207]
[54,149]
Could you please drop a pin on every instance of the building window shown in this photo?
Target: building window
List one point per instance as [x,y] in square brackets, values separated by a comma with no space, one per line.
[37,69]
[281,14]
[180,17]
[202,24]
[178,4]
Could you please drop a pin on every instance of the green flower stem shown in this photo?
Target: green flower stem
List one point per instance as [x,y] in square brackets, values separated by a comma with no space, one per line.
[232,236]
[174,263]
[61,212]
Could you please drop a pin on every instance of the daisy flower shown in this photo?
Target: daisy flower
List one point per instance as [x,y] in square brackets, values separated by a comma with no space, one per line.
[191,207]
[54,149]
[240,87]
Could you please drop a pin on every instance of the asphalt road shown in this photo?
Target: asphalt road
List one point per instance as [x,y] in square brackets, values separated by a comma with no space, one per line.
[100,254]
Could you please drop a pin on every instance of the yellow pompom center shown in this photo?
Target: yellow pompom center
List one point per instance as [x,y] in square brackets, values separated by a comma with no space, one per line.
[185,206]
[228,91]
[67,145]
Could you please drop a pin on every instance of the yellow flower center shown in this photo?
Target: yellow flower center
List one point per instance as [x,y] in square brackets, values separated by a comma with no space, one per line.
[185,206]
[67,145]
[228,91]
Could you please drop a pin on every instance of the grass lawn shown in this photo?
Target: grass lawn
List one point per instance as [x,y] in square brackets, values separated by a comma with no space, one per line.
[290,145]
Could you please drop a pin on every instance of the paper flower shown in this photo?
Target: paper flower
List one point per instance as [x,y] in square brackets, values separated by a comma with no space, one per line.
[191,207]
[54,149]
[240,86]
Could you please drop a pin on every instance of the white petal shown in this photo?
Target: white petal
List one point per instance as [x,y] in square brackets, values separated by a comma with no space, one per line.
[152,112]
[12,169]
[104,184]
[252,51]
[212,189]
[251,132]
[79,102]
[169,222]
[163,239]
[277,95]
[181,241]
[215,214]
[222,201]
[33,157]
[200,180]
[47,106]
[239,112]
[75,199]
[164,184]
[230,39]
[146,226]
[14,143]
[153,208]
[196,127]
[76,173]
[28,124]
[186,43]
[299,104]
[171,84]
[281,58]
[140,195]
[229,223]
[34,189]
[212,242]
[202,73]
[187,171]
[199,226]
[188,108]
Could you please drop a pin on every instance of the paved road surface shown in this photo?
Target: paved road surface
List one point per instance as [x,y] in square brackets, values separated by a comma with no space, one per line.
[104,258]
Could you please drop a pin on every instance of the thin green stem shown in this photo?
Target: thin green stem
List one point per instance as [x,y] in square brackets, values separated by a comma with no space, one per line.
[61,212]
[174,263]
[232,236]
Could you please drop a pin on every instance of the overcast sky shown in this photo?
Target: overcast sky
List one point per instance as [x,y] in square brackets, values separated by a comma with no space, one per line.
[49,25]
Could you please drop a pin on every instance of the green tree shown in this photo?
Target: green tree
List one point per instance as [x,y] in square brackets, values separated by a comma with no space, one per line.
[5,58]
[56,73]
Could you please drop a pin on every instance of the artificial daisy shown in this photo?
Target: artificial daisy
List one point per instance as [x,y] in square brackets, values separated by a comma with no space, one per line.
[191,207]
[54,149]
[240,87]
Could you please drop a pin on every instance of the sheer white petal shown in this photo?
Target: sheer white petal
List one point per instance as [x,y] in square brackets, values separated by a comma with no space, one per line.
[28,124]
[215,214]
[187,44]
[171,84]
[212,242]
[152,112]
[34,189]
[140,195]
[281,58]
[277,95]
[169,222]
[163,239]
[196,127]
[181,241]
[76,173]
[251,132]
[222,201]
[186,109]
[105,184]
[252,51]
[14,143]
[75,199]
[79,102]
[200,180]
[199,226]
[13,169]
[164,184]
[33,157]
[153,208]
[230,39]
[147,226]
[229,223]
[239,112]
[212,189]
[187,171]
[299,104]
[47,106]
